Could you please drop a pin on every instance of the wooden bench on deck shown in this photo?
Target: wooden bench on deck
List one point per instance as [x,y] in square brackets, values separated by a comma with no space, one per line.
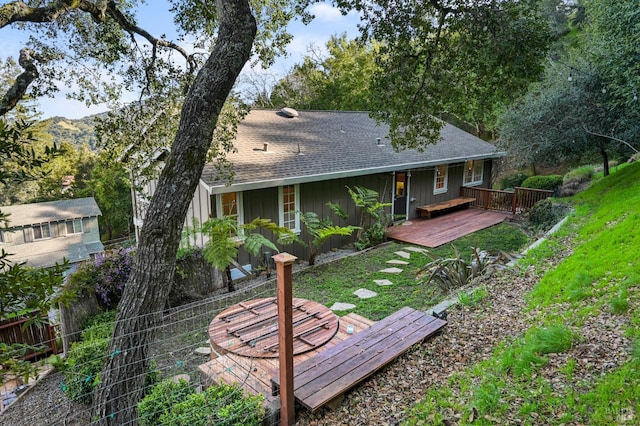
[329,374]
[427,210]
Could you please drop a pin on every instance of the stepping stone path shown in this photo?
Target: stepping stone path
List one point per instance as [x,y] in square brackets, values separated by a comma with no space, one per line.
[416,249]
[383,282]
[363,293]
[403,254]
[397,262]
[203,351]
[339,306]
[392,270]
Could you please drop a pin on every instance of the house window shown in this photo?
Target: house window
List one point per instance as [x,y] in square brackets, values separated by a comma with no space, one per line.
[440,179]
[473,171]
[74,226]
[230,204]
[41,231]
[289,207]
[2,240]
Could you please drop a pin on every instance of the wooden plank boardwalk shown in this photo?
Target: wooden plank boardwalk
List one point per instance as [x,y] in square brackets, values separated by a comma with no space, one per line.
[446,228]
[254,374]
[329,374]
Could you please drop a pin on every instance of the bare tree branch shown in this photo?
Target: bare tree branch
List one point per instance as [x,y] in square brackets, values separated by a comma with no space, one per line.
[17,91]
[610,137]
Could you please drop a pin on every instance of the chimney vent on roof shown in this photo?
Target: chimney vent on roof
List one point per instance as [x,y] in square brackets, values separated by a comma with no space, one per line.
[379,142]
[265,147]
[289,112]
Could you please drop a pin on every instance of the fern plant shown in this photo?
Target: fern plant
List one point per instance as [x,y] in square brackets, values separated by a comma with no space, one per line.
[373,216]
[226,236]
[319,231]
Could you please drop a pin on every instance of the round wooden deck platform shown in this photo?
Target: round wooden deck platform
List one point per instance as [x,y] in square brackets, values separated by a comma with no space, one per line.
[251,328]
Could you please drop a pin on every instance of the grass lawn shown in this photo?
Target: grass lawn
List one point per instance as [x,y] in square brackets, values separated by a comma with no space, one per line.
[337,281]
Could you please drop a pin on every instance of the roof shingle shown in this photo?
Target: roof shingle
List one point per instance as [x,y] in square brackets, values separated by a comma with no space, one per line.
[323,145]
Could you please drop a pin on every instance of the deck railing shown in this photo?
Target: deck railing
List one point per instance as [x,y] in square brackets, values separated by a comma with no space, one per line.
[519,200]
[39,336]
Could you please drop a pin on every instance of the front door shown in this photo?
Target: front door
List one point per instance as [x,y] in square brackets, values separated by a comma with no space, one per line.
[400,196]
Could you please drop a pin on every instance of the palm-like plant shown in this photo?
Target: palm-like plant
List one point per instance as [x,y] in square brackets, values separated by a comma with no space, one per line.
[319,231]
[226,236]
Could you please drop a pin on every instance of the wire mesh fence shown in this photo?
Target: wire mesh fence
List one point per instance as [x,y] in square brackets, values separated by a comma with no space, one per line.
[177,389]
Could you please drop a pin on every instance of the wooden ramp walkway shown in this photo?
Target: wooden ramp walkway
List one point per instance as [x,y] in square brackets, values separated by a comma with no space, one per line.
[330,373]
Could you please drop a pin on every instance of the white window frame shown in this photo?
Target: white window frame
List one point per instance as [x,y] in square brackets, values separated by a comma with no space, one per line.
[476,175]
[239,207]
[444,189]
[296,201]
[73,222]
[40,225]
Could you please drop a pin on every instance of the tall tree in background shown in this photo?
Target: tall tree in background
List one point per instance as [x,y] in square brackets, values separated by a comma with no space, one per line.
[463,61]
[337,80]
[587,104]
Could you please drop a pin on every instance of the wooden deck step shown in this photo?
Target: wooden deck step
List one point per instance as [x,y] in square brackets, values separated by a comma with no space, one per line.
[332,372]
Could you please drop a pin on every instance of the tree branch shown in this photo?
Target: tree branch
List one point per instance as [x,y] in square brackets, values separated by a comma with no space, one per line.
[19,11]
[17,91]
[610,137]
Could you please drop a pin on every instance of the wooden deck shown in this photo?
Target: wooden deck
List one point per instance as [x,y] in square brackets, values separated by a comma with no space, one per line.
[255,374]
[329,374]
[446,228]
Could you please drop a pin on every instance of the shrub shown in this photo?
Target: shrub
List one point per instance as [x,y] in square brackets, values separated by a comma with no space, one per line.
[576,180]
[86,359]
[161,399]
[450,273]
[550,182]
[512,181]
[546,213]
[177,404]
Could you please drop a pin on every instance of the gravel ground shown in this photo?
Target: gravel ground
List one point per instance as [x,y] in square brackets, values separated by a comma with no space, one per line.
[384,399]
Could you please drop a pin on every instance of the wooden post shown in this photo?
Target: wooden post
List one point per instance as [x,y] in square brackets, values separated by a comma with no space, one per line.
[284,266]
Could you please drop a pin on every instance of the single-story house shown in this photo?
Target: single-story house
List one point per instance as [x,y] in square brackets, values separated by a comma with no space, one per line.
[43,234]
[290,161]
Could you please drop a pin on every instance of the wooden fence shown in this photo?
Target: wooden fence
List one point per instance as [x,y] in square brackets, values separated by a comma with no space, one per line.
[40,336]
[519,200]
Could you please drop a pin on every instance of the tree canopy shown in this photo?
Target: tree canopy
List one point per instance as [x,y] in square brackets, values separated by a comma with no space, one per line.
[586,104]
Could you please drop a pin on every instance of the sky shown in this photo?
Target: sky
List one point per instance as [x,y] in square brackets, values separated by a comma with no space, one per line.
[156,18]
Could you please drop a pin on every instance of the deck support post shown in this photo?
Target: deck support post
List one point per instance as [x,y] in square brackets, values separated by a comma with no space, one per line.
[284,267]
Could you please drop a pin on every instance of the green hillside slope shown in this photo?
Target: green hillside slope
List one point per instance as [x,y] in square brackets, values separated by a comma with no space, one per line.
[579,361]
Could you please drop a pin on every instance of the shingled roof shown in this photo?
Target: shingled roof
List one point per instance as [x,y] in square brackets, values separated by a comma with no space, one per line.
[51,211]
[323,145]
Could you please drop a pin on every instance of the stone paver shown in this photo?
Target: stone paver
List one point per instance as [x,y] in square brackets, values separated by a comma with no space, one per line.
[363,293]
[391,270]
[397,262]
[383,282]
[415,249]
[339,306]
[203,351]
[403,254]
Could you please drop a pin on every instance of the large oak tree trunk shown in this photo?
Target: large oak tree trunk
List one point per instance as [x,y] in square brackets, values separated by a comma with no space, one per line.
[121,381]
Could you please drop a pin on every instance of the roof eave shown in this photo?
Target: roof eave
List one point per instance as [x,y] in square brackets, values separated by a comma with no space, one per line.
[270,183]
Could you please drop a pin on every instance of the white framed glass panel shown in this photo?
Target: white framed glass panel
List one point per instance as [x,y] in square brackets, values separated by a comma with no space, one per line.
[74,226]
[230,204]
[473,172]
[41,231]
[289,207]
[440,179]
